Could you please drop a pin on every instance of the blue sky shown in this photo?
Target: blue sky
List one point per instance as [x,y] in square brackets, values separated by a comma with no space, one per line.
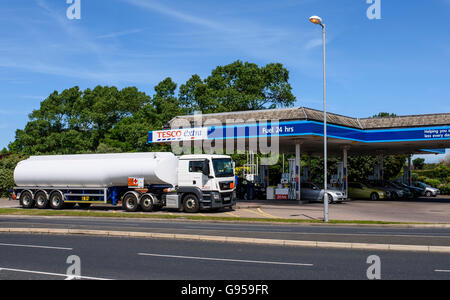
[398,64]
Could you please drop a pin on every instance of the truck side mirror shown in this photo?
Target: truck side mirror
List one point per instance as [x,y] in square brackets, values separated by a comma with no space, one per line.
[206,170]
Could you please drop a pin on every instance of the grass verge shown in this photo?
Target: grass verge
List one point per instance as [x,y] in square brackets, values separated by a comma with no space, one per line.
[99,214]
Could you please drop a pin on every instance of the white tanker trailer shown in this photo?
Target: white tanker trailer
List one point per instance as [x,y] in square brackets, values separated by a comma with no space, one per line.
[148,181]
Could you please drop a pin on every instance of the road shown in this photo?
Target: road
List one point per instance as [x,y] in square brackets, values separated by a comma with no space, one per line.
[356,234]
[45,256]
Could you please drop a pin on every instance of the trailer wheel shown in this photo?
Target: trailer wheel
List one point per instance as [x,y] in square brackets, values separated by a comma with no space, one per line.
[26,200]
[130,203]
[191,204]
[147,203]
[56,200]
[41,200]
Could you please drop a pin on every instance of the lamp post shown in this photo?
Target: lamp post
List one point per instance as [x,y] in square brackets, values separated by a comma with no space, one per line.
[318,21]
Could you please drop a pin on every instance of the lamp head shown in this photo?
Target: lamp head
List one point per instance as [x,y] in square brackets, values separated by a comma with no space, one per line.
[316,20]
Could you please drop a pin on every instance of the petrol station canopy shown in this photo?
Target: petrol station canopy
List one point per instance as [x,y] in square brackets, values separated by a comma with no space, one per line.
[415,134]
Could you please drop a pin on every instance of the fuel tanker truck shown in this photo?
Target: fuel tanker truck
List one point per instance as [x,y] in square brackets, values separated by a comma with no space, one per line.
[147,181]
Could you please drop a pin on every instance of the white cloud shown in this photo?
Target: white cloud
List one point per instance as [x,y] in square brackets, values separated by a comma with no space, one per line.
[119,34]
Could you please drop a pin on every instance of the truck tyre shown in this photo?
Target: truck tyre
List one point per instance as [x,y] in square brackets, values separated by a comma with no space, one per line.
[147,203]
[130,203]
[374,196]
[56,200]
[26,200]
[41,200]
[191,204]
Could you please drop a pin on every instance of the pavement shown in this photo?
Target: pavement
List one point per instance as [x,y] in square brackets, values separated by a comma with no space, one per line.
[56,256]
[422,210]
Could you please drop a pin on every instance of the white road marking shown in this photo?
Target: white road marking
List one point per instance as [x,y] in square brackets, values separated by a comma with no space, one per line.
[227,260]
[442,271]
[36,246]
[68,277]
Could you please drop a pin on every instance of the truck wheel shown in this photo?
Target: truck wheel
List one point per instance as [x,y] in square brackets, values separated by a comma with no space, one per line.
[26,200]
[130,203]
[191,204]
[41,200]
[56,201]
[147,203]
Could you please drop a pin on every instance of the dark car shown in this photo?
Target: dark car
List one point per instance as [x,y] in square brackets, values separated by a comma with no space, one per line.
[417,191]
[407,193]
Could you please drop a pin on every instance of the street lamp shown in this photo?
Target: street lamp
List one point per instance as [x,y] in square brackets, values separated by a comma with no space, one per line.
[318,21]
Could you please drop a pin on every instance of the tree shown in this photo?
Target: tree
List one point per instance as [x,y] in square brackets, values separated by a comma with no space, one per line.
[76,121]
[238,87]
[384,115]
[419,163]
[131,133]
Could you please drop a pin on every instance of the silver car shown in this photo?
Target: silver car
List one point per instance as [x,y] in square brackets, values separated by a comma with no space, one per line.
[311,192]
[429,191]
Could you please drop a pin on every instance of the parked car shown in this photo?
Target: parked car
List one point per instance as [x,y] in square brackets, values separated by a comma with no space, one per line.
[417,191]
[357,190]
[391,192]
[312,192]
[407,193]
[429,191]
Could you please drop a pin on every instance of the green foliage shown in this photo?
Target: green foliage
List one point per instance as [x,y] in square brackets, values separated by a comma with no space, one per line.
[419,163]
[445,188]
[8,162]
[361,167]
[441,171]
[6,182]
[439,177]
[238,87]
[384,115]
[76,121]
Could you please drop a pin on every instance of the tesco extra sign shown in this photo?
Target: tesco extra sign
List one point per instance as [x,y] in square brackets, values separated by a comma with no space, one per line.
[168,134]
[180,135]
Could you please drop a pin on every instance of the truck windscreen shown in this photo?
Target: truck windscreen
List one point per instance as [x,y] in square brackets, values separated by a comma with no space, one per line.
[223,167]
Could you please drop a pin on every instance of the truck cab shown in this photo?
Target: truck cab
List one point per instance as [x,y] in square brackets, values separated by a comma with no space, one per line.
[206,182]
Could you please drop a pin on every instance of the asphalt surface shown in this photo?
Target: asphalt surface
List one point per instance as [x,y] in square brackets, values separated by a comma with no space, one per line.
[45,257]
[332,233]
